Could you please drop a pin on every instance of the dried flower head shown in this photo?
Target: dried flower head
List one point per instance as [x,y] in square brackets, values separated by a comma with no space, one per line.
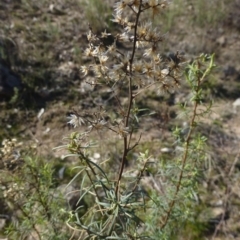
[97,124]
[123,131]
[105,34]
[75,120]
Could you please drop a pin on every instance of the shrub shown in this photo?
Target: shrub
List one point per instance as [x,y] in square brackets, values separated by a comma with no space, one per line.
[32,202]
[148,197]
[147,194]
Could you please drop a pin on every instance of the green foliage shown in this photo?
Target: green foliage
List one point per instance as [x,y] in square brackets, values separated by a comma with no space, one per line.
[198,13]
[28,189]
[97,14]
[205,12]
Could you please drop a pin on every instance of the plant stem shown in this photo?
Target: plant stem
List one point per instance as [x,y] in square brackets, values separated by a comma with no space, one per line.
[130,97]
[184,158]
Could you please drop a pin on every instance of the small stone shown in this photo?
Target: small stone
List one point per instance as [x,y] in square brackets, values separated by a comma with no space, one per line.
[96,155]
[166,150]
[61,172]
[221,41]
[236,104]
[40,113]
[2,224]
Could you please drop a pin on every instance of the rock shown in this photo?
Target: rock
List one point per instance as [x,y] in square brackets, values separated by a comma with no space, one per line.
[236,105]
[8,81]
[166,150]
[221,41]
[2,224]
[229,71]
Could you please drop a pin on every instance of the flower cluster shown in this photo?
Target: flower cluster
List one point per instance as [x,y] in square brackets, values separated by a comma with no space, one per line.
[10,154]
[115,67]
[13,191]
[95,122]
[145,67]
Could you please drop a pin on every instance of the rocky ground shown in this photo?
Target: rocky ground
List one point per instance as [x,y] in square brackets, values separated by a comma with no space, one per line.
[41,51]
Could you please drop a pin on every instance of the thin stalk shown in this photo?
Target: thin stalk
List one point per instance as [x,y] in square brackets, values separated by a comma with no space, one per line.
[130,97]
[184,159]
